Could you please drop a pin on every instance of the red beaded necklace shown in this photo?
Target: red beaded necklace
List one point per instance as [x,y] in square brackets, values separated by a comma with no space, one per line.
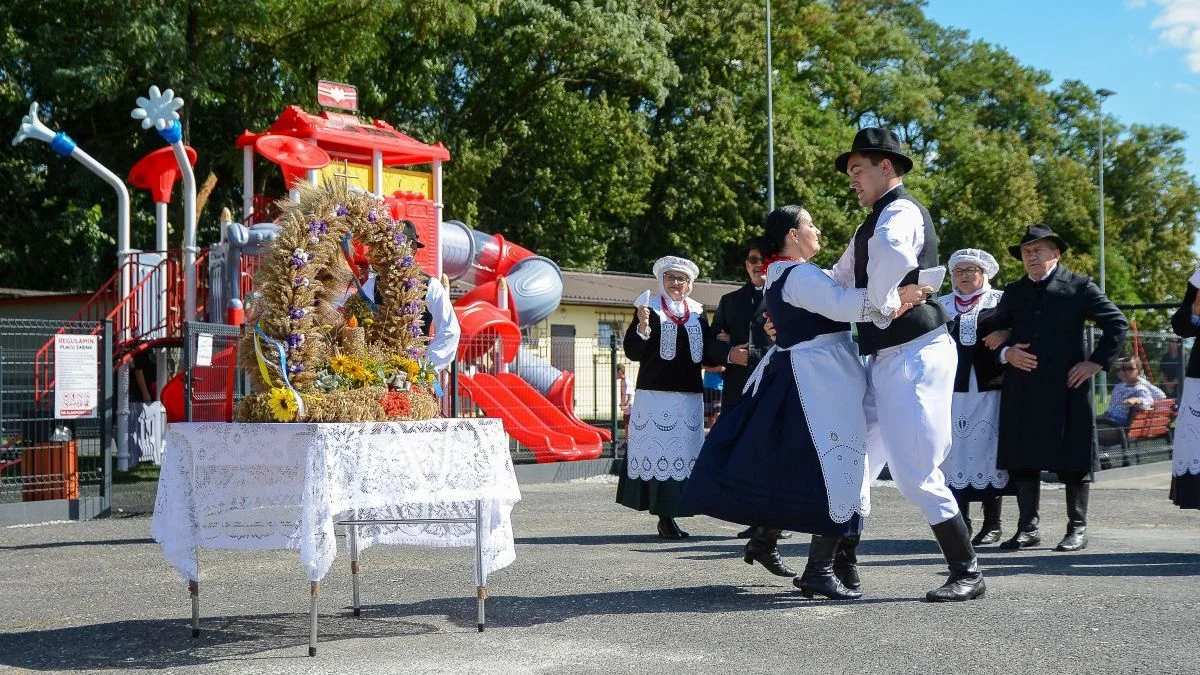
[678,321]
[964,306]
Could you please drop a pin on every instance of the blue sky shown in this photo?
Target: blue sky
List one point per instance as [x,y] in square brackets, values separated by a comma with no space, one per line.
[1148,51]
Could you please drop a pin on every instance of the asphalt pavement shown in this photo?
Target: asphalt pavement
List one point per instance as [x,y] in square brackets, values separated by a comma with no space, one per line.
[593,591]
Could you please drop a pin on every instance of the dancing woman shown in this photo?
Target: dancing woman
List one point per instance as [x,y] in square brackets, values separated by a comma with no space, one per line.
[791,454]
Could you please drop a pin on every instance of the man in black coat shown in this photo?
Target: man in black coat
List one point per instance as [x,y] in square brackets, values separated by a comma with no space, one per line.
[741,340]
[1046,416]
[738,326]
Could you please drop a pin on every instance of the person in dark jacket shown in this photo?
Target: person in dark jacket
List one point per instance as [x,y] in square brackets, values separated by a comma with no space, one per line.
[1185,455]
[1047,421]
[669,337]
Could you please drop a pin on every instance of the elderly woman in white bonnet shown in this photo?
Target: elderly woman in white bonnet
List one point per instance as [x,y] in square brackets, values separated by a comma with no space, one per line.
[970,468]
[669,338]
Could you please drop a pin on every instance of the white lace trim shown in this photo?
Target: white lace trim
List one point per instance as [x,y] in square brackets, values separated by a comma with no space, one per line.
[836,421]
[1185,456]
[968,325]
[283,486]
[972,459]
[666,430]
[668,333]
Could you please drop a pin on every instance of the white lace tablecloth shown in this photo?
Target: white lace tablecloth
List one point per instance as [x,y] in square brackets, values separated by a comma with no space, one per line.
[277,486]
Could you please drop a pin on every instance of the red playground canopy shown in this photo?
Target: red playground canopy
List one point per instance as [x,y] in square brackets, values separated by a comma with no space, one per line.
[345,137]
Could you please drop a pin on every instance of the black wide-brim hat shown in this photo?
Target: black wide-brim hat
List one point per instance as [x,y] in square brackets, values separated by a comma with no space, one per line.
[1037,232]
[874,139]
[410,232]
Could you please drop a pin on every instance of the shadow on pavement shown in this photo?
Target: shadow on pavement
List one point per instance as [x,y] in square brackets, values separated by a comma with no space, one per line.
[146,644]
[61,544]
[1046,561]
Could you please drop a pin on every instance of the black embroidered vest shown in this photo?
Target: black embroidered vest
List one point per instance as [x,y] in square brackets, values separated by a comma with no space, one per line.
[918,320]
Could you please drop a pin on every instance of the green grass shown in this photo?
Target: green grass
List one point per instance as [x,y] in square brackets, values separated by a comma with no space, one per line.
[139,473]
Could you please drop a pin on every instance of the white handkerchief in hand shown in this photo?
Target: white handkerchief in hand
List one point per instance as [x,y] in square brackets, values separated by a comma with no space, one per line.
[934,276]
[642,300]
[1195,279]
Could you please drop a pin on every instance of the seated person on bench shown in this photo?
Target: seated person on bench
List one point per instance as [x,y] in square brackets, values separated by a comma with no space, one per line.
[1133,391]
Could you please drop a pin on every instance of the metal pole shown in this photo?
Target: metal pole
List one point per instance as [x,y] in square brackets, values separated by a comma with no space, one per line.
[770,120]
[1100,169]
[1102,94]
[612,350]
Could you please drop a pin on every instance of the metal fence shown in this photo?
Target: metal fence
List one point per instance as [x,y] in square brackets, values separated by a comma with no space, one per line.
[212,381]
[52,468]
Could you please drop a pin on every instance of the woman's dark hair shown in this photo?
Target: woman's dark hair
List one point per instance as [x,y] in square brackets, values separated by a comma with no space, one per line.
[779,222]
[756,243]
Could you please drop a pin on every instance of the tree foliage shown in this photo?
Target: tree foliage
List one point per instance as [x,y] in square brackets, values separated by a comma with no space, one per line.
[601,133]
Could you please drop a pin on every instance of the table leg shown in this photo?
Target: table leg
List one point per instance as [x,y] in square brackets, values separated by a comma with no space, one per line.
[481,589]
[194,591]
[315,592]
[354,567]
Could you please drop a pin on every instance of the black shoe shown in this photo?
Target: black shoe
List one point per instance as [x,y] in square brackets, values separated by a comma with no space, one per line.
[668,529]
[1077,505]
[1029,496]
[966,581]
[845,563]
[818,577]
[1022,540]
[762,548]
[986,537]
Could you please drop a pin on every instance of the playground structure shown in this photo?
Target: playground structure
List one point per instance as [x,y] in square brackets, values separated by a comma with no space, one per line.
[153,293]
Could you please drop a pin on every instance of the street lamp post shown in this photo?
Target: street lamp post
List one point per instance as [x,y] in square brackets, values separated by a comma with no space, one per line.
[1101,94]
[770,121]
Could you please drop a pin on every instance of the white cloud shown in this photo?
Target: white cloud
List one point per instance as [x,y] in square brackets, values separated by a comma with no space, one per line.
[1185,87]
[1178,24]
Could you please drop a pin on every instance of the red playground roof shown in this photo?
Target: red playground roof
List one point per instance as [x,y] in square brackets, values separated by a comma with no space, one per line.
[346,137]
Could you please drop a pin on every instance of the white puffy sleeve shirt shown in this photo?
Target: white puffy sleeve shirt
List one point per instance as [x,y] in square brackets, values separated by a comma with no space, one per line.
[809,287]
[891,253]
[444,344]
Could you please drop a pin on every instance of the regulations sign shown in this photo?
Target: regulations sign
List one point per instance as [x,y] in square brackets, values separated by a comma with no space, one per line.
[76,376]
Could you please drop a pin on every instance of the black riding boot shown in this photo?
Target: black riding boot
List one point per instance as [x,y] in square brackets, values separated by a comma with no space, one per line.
[1077,505]
[818,577]
[964,507]
[966,581]
[1029,494]
[764,547]
[845,563]
[989,531]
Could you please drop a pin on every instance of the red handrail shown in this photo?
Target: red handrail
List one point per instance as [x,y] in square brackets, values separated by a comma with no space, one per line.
[126,313]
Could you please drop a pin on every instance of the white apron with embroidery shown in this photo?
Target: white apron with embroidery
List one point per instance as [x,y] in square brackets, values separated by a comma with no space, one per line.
[1185,457]
[836,420]
[666,430]
[975,415]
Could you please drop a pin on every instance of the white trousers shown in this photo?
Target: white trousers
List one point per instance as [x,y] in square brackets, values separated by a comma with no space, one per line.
[911,389]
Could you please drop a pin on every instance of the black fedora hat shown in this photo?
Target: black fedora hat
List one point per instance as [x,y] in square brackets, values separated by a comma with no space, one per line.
[1037,232]
[410,231]
[874,139]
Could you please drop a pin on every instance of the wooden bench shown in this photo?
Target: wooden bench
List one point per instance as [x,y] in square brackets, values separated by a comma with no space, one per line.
[1148,425]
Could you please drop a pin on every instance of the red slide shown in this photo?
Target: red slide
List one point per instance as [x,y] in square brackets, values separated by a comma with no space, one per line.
[587,440]
[520,422]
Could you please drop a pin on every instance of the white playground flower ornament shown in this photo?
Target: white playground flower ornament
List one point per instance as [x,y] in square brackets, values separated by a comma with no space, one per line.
[159,110]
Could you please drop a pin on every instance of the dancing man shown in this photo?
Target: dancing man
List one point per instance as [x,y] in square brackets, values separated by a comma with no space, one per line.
[912,361]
